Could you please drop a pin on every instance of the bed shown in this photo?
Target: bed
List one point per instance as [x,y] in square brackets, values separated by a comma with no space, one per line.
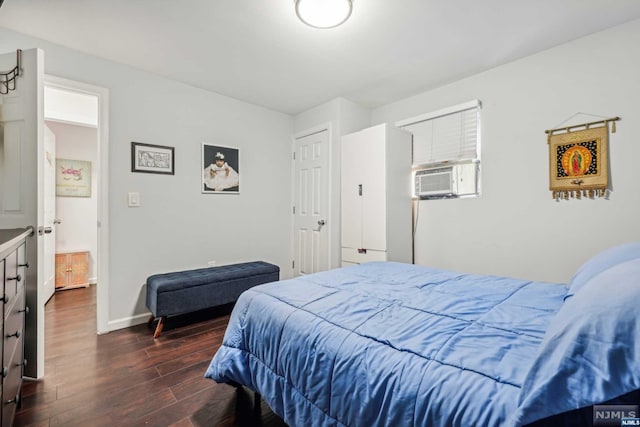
[391,344]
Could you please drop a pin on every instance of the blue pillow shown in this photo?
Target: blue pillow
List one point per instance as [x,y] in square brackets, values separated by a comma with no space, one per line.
[591,351]
[601,262]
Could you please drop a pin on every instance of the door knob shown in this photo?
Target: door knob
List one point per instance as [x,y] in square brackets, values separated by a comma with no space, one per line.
[321,222]
[44,230]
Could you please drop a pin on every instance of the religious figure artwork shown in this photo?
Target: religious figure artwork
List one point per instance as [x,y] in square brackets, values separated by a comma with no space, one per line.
[578,163]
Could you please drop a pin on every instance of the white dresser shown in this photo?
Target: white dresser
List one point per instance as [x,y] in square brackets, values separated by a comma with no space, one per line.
[376,196]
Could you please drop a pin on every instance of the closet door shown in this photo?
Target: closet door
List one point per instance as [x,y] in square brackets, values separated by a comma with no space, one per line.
[351,181]
[374,160]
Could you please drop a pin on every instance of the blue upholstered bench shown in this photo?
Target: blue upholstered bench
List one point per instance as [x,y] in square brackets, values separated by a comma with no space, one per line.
[183,292]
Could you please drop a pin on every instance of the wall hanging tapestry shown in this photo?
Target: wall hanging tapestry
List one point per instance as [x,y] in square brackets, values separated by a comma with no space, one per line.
[579,160]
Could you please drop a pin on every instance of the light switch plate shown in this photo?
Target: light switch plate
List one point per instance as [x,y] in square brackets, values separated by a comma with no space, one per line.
[133,200]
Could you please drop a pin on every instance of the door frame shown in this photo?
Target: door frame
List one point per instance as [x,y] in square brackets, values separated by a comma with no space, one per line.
[328,182]
[102,259]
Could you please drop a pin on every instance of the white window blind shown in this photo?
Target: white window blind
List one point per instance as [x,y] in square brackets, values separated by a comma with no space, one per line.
[449,135]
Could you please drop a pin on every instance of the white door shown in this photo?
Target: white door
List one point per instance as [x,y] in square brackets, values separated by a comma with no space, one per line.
[49,214]
[351,185]
[364,168]
[374,203]
[311,203]
[22,158]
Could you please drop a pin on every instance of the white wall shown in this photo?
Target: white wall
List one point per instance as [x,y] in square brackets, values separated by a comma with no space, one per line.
[344,117]
[79,215]
[515,228]
[177,227]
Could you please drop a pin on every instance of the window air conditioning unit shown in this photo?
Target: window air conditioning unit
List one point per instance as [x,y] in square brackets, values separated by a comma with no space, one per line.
[447,181]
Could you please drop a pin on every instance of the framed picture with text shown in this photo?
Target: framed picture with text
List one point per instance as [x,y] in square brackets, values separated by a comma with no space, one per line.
[73,178]
[149,158]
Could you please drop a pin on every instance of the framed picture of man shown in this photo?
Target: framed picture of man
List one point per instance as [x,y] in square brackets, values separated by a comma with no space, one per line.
[220,169]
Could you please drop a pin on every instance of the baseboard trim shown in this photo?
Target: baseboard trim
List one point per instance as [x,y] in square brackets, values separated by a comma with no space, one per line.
[126,322]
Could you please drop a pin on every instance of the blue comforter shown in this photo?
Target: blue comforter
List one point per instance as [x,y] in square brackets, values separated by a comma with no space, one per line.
[389,344]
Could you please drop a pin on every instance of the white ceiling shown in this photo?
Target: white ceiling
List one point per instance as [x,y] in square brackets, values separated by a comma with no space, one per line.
[257,51]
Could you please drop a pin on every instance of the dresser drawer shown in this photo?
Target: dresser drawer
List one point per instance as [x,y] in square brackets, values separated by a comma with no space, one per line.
[22,266]
[11,387]
[353,256]
[348,264]
[11,278]
[14,326]
[1,282]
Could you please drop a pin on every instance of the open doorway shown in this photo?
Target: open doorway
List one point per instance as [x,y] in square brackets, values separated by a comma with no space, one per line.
[76,115]
[76,204]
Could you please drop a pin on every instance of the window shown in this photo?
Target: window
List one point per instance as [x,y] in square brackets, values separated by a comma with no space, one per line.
[447,137]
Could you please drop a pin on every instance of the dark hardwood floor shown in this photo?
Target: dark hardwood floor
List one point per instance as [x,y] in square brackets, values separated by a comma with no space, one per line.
[126,378]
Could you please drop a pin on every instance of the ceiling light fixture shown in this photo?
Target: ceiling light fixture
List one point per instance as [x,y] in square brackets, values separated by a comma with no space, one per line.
[323,13]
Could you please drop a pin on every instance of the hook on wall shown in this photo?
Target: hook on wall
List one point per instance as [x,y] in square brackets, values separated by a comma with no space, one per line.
[8,79]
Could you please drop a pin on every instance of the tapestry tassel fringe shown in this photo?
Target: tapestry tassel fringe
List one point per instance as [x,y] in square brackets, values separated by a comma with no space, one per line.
[578,194]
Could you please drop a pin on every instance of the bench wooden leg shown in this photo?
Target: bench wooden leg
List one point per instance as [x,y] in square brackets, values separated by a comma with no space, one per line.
[156,334]
[151,319]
